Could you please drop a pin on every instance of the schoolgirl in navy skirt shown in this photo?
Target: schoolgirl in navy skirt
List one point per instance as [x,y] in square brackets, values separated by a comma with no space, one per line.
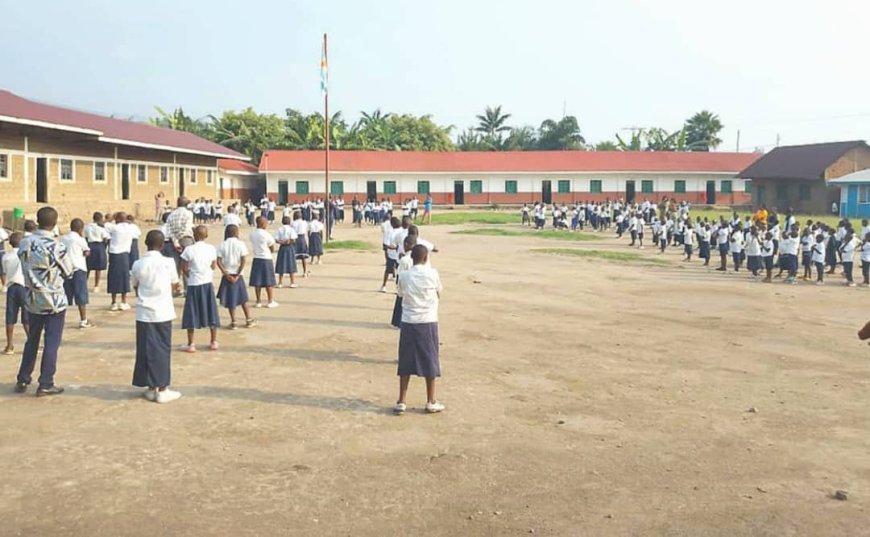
[300,226]
[200,307]
[286,261]
[315,238]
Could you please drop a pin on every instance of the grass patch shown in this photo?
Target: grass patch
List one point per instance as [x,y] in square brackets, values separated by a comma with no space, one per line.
[475,217]
[714,214]
[550,234]
[347,245]
[621,257]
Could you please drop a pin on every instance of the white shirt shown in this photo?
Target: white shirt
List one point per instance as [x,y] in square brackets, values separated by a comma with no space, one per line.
[153,276]
[231,252]
[12,268]
[316,226]
[200,256]
[819,252]
[301,227]
[767,248]
[286,233]
[865,252]
[3,238]
[397,240]
[753,247]
[232,219]
[419,288]
[121,238]
[95,233]
[76,246]
[789,246]
[849,250]
[262,242]
[737,243]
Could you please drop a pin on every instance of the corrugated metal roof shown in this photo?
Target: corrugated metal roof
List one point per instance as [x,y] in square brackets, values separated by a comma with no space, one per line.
[799,161]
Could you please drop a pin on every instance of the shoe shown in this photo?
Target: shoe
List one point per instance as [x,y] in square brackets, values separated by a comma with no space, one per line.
[293,285]
[20,387]
[214,345]
[272,304]
[86,324]
[114,307]
[167,396]
[150,395]
[400,409]
[232,326]
[384,289]
[258,305]
[188,348]
[850,284]
[435,407]
[250,323]
[95,290]
[51,390]
[9,351]
[125,307]
[279,286]
[820,283]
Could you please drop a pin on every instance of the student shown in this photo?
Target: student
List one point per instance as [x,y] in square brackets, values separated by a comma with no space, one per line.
[640,226]
[45,265]
[527,221]
[767,248]
[405,264]
[865,258]
[134,244]
[391,251]
[420,288]
[722,241]
[120,241]
[232,291]
[262,270]
[198,262]
[286,237]
[807,252]
[736,247]
[77,287]
[3,238]
[847,255]
[315,240]
[153,278]
[632,228]
[664,232]
[788,255]
[819,259]
[16,293]
[97,237]
[301,227]
[753,252]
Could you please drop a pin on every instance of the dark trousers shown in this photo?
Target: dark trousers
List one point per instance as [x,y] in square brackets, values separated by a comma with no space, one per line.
[865,270]
[847,270]
[820,271]
[53,326]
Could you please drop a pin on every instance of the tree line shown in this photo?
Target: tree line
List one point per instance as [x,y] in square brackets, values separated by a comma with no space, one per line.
[251,133]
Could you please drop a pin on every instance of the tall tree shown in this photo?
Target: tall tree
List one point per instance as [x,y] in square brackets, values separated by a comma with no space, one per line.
[492,126]
[606,145]
[702,131]
[561,135]
[179,121]
[249,132]
[471,140]
[635,143]
[522,139]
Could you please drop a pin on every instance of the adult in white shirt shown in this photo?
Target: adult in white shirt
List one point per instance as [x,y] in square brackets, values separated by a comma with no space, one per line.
[77,286]
[153,277]
[420,289]
[121,239]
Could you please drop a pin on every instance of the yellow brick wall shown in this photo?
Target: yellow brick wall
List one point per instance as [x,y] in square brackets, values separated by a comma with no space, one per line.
[12,189]
[855,160]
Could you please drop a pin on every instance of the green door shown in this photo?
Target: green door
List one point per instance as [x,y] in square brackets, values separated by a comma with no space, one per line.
[282,192]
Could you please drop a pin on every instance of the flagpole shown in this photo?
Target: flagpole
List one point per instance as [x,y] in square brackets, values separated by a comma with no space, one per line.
[326,205]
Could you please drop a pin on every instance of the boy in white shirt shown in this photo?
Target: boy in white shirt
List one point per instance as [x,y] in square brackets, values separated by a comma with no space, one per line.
[865,258]
[847,255]
[3,238]
[232,291]
[788,255]
[154,278]
[737,248]
[16,292]
[77,286]
[390,250]
[819,259]
[688,241]
[753,252]
[262,269]
[198,262]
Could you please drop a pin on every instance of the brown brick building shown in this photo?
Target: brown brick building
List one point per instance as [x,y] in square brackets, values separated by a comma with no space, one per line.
[80,162]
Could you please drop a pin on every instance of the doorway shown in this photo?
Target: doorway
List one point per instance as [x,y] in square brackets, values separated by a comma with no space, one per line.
[372,190]
[629,191]
[282,192]
[180,182]
[459,192]
[125,181]
[711,192]
[547,192]
[41,180]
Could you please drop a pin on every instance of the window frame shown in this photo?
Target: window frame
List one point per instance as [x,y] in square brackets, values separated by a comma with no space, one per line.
[105,167]
[301,188]
[563,183]
[747,186]
[192,179]
[392,188]
[72,166]
[209,177]
[647,186]
[424,187]
[476,186]
[511,186]
[596,186]
[164,175]
[679,186]
[722,184]
[141,174]
[864,189]
[6,158]
[333,191]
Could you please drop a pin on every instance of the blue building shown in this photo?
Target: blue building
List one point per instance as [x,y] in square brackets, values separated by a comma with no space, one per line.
[854,194]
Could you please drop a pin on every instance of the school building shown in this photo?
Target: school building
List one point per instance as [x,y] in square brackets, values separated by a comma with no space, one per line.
[801,176]
[80,162]
[854,194]
[240,181]
[459,178]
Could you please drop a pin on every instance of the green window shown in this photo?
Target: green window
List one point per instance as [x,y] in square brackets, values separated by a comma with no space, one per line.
[477,187]
[422,187]
[725,187]
[747,186]
[804,192]
[646,187]
[389,187]
[336,188]
[510,187]
[595,186]
[564,187]
[679,187]
[782,192]
[302,188]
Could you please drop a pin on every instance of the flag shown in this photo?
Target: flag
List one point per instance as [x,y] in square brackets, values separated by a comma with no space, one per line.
[324,71]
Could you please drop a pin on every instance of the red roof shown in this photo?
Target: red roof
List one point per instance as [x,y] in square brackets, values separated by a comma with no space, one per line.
[238,166]
[507,161]
[15,109]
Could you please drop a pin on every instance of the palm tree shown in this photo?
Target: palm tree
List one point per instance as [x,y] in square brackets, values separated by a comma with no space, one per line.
[470,140]
[562,135]
[522,139]
[635,143]
[702,131]
[492,124]
[606,145]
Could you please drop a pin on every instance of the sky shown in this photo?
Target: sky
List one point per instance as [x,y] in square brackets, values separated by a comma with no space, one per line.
[789,70]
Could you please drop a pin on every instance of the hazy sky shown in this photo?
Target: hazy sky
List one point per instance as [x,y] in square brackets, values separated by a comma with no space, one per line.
[767,67]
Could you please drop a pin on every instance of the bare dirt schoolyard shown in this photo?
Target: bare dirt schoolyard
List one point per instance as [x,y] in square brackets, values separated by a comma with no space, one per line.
[584,396]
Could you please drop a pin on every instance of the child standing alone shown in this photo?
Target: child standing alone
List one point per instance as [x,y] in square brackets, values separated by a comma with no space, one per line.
[16,292]
[198,262]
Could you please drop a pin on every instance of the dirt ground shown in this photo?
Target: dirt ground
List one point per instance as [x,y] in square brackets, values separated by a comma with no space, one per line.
[583,398]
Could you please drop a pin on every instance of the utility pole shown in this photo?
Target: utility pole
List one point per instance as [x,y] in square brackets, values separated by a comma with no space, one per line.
[738,140]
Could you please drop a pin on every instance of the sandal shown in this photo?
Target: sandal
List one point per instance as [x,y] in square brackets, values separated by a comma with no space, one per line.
[233,325]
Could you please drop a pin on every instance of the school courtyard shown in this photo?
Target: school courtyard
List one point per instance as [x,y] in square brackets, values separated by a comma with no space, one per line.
[611,392]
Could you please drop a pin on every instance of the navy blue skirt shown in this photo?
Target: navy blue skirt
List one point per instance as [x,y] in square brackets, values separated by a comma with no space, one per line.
[316,248]
[418,350]
[168,250]
[134,251]
[301,247]
[119,273]
[232,295]
[397,313]
[97,259]
[200,308]
[286,261]
[76,288]
[262,273]
[153,354]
